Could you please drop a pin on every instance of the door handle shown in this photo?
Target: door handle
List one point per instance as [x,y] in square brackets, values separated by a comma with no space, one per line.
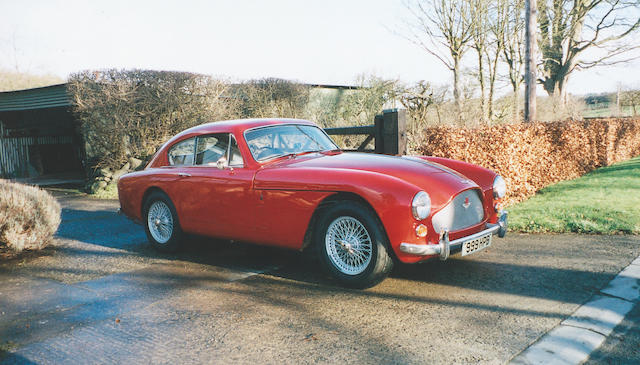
[183,174]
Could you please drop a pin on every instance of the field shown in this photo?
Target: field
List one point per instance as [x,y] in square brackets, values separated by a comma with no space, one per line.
[605,201]
[605,110]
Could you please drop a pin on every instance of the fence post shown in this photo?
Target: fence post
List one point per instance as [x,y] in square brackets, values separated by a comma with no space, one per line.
[378,125]
[394,132]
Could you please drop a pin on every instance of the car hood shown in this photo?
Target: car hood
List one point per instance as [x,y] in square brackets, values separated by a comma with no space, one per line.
[439,181]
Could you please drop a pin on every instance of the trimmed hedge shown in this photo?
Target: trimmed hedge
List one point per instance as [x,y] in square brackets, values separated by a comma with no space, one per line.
[531,156]
[131,113]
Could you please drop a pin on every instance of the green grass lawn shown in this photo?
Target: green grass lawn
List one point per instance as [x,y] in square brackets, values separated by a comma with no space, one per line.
[605,201]
[608,111]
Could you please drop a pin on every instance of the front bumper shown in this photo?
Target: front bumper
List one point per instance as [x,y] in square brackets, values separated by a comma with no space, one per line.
[445,248]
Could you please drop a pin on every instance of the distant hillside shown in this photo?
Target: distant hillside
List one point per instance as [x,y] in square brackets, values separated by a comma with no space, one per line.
[12,80]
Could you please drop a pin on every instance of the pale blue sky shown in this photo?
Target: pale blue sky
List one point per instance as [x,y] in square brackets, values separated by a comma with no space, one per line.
[328,41]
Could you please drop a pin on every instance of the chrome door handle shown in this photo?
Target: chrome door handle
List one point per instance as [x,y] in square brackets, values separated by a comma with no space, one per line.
[183,174]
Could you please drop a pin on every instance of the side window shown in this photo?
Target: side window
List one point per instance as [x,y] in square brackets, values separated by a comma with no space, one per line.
[182,153]
[211,148]
[235,157]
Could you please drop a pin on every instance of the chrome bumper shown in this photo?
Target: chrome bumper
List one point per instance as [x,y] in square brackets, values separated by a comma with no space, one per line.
[445,248]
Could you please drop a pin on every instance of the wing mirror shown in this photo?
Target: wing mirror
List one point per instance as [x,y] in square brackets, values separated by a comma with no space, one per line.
[222,163]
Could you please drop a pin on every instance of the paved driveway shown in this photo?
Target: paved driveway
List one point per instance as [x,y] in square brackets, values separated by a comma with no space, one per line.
[102,295]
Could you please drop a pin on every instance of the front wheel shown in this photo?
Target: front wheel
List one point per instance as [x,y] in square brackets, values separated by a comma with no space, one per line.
[161,223]
[352,245]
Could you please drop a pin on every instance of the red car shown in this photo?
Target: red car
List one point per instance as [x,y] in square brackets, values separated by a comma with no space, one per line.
[284,182]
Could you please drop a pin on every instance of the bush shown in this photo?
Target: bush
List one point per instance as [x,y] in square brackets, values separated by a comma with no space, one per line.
[531,156]
[29,216]
[271,97]
[130,113]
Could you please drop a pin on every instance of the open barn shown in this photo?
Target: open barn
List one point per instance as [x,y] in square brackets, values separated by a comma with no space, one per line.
[38,135]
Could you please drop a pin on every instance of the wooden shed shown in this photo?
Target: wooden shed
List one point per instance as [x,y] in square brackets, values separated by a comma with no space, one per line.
[38,134]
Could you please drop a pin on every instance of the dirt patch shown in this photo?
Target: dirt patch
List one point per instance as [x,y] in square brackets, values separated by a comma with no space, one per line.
[9,257]
[6,347]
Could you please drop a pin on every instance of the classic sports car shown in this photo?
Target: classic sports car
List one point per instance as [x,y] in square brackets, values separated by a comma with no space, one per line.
[284,182]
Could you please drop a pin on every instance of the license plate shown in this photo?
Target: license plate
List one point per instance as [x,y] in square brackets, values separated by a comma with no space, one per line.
[476,245]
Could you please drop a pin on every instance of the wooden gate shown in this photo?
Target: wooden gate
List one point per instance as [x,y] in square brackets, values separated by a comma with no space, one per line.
[388,132]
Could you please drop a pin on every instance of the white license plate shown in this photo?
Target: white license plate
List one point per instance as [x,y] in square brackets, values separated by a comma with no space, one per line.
[476,245]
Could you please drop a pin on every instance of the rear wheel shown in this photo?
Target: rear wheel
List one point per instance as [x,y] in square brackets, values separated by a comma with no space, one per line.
[161,223]
[352,245]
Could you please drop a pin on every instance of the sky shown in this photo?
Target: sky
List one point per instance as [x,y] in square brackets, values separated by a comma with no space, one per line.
[323,42]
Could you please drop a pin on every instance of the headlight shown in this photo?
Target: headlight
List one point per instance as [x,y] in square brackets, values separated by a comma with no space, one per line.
[421,205]
[499,187]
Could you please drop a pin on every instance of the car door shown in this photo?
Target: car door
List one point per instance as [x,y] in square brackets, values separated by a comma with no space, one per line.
[219,186]
[171,178]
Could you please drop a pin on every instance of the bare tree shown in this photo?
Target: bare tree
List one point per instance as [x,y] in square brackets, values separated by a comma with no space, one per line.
[479,19]
[497,24]
[443,29]
[530,14]
[630,98]
[419,99]
[570,27]
[513,51]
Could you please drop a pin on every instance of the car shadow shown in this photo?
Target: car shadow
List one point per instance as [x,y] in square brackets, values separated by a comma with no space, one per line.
[106,228]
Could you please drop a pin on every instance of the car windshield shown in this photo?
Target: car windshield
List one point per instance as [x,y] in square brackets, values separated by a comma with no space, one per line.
[280,140]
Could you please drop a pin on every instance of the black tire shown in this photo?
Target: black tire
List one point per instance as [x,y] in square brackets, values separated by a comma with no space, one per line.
[380,262]
[175,239]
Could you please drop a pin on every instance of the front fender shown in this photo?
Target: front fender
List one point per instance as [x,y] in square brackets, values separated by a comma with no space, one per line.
[389,196]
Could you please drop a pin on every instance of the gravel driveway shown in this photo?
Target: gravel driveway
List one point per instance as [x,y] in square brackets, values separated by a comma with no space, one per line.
[102,295]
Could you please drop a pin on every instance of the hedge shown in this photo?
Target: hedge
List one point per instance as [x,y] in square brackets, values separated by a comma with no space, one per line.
[531,156]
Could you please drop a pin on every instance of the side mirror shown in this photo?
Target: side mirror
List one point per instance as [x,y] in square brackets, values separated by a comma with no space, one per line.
[222,163]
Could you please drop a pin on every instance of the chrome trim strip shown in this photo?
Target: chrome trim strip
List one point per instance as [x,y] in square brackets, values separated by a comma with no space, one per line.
[445,248]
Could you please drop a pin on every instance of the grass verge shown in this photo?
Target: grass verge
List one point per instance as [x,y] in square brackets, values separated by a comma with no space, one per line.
[6,348]
[110,192]
[605,201]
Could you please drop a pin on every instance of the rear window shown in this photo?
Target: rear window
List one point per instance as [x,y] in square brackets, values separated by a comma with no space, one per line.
[182,153]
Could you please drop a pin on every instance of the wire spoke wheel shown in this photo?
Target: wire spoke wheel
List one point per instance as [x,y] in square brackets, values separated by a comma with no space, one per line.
[348,245]
[160,222]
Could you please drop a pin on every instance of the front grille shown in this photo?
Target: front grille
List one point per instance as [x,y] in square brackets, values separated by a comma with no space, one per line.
[454,216]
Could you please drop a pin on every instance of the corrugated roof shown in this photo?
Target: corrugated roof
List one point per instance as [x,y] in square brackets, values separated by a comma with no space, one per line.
[38,98]
[56,95]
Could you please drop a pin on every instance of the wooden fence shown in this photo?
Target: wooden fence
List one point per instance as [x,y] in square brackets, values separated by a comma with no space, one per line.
[14,153]
[388,132]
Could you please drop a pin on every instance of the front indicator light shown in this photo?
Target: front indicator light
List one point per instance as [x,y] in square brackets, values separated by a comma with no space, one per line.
[421,230]
[497,207]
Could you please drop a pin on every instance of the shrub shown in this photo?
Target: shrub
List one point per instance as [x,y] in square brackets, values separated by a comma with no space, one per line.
[130,113]
[29,216]
[531,156]
[271,97]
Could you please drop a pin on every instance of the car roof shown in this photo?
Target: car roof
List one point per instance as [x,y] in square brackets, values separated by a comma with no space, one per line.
[238,126]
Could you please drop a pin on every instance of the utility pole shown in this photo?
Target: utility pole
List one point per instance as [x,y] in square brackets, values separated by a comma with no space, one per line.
[531,18]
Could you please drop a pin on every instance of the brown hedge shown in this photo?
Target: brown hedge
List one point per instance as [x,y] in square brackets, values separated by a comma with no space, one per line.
[531,156]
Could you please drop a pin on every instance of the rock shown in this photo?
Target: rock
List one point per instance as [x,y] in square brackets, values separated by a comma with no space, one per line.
[107,179]
[105,172]
[117,174]
[135,163]
[126,167]
[97,185]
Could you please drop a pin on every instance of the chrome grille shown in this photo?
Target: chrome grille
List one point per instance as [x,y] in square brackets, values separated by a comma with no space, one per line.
[454,216]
